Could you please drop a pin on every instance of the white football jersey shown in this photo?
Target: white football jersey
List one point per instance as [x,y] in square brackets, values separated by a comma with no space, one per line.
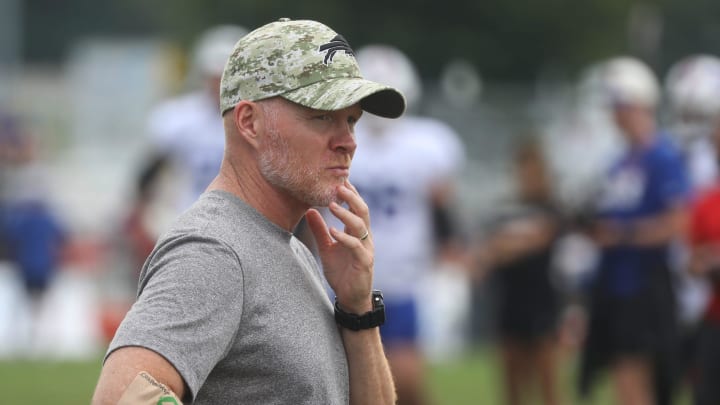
[702,163]
[395,173]
[190,130]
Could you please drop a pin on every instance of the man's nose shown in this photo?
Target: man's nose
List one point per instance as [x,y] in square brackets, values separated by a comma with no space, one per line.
[344,139]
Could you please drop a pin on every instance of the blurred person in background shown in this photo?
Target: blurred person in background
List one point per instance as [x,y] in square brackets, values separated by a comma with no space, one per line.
[696,93]
[140,238]
[641,210]
[186,133]
[32,234]
[705,263]
[405,171]
[693,88]
[517,248]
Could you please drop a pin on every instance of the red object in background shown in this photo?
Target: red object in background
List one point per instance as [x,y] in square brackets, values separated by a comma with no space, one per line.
[111,315]
[85,253]
[705,229]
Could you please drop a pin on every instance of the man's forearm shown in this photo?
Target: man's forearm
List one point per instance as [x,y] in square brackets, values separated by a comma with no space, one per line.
[661,229]
[370,377]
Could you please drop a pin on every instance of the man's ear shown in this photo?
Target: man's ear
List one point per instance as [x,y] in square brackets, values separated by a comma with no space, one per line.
[248,121]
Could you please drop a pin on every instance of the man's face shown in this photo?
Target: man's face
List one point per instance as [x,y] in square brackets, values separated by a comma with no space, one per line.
[635,122]
[307,152]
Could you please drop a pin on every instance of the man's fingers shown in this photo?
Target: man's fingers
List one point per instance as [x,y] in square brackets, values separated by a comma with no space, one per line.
[346,240]
[354,225]
[356,204]
[318,227]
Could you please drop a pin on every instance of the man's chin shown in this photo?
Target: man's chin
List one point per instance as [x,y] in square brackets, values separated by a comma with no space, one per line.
[330,195]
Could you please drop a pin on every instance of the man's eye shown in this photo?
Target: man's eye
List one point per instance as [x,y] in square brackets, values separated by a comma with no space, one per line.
[323,117]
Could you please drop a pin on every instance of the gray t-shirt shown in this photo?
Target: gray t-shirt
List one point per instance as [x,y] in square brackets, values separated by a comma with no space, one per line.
[238,306]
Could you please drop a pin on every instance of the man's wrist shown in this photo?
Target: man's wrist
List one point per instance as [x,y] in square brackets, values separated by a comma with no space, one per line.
[371,318]
[357,308]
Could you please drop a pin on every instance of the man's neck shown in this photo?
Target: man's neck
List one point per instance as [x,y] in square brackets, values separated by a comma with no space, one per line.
[248,185]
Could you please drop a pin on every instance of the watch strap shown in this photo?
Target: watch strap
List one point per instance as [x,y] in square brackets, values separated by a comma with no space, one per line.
[368,320]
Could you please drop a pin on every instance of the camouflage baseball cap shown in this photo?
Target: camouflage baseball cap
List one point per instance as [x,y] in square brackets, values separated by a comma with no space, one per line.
[305,62]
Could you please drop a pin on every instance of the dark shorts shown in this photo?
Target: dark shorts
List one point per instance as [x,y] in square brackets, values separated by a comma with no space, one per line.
[528,304]
[401,322]
[642,324]
[707,391]
[527,321]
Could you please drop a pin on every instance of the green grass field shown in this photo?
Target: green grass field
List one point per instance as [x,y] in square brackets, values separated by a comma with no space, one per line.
[474,379]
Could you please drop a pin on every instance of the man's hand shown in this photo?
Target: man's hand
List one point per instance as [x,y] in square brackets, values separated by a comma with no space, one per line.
[347,259]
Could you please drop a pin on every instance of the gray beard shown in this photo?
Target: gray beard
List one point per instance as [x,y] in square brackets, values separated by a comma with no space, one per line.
[302,184]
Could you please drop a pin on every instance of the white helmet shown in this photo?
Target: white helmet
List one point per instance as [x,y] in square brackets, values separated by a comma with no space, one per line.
[386,64]
[627,80]
[214,46]
[693,85]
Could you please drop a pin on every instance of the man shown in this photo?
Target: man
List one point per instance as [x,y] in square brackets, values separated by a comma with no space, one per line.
[231,306]
[641,213]
[518,247]
[693,90]
[695,93]
[705,263]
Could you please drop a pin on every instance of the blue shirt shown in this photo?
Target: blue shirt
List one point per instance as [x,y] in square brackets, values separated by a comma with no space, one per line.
[34,238]
[645,182]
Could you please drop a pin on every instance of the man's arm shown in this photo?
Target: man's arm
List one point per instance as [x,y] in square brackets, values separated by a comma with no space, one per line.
[124,364]
[348,267]
[651,231]
[368,367]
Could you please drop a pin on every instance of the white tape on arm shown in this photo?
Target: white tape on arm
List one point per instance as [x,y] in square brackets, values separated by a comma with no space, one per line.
[145,390]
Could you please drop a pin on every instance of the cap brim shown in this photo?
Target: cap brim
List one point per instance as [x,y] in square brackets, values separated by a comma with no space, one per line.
[336,94]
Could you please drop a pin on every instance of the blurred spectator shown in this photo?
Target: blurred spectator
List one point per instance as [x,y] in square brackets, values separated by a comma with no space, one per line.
[518,248]
[32,236]
[405,172]
[140,238]
[705,263]
[693,88]
[641,212]
[187,130]
[705,235]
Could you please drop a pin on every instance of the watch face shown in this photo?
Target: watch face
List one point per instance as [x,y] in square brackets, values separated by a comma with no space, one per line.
[377,299]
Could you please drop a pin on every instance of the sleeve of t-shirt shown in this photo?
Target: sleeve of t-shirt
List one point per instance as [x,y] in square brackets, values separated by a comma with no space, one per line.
[188,308]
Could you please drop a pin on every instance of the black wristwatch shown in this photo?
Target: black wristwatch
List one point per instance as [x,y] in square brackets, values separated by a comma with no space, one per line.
[371,319]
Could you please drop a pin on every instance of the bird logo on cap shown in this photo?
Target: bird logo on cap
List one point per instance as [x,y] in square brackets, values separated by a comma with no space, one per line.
[336,44]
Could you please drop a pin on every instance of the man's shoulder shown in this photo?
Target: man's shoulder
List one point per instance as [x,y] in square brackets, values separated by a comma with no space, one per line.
[223,216]
[211,211]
